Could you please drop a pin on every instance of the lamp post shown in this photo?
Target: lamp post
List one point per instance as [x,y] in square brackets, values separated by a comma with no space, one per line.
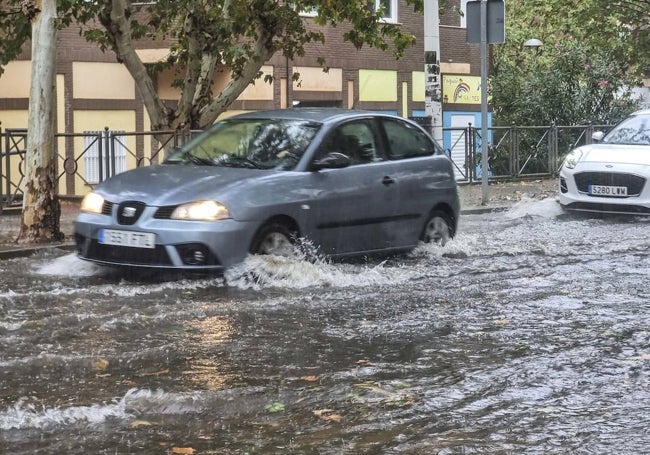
[535,44]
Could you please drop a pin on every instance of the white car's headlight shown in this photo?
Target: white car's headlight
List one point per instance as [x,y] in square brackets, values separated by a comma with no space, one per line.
[201,211]
[92,203]
[572,159]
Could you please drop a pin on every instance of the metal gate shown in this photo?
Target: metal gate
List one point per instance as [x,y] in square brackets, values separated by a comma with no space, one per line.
[13,145]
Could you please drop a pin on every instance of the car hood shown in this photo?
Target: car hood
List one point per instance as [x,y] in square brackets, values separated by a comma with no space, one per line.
[176,184]
[616,153]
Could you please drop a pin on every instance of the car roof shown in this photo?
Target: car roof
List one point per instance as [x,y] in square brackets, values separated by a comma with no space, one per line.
[318,114]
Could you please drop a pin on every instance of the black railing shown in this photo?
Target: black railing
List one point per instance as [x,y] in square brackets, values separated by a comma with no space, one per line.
[13,146]
[85,159]
[514,152]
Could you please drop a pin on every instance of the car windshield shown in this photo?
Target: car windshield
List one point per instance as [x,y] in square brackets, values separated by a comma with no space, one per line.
[634,131]
[249,143]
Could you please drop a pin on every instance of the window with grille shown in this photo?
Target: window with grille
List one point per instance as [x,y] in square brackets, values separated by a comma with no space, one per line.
[113,154]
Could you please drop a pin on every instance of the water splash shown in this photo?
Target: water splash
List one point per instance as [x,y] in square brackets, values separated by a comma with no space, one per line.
[24,415]
[258,272]
[71,266]
[547,208]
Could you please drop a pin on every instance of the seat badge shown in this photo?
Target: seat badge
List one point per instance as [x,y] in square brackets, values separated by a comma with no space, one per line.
[128,212]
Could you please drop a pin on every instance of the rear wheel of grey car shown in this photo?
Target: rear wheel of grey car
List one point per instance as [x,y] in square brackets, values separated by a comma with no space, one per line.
[274,238]
[438,228]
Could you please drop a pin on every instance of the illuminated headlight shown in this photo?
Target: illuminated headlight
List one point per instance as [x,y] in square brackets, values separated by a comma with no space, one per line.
[92,203]
[572,159]
[201,211]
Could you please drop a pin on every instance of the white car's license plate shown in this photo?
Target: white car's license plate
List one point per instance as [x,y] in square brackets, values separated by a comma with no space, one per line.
[602,190]
[126,238]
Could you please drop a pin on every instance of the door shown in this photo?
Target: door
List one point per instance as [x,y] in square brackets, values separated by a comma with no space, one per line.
[353,207]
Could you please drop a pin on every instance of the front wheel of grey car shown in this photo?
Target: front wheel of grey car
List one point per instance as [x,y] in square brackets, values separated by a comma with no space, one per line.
[274,238]
[438,228]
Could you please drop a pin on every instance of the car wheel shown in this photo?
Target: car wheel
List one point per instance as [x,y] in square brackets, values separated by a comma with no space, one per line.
[274,238]
[437,228]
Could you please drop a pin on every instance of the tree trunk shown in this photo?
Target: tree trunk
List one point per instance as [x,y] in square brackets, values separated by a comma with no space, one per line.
[41,207]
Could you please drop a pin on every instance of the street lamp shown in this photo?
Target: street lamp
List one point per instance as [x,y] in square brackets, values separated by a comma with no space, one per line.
[535,44]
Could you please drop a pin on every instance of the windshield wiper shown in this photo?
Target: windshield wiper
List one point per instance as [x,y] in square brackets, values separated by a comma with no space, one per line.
[198,160]
[236,161]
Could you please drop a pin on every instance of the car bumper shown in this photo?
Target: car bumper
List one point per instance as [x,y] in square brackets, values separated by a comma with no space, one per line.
[190,245]
[574,191]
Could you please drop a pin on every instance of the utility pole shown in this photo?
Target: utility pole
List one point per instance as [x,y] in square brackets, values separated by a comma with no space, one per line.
[487,17]
[432,82]
[484,103]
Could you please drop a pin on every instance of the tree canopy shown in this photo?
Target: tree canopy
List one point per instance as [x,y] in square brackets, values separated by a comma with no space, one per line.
[594,52]
[15,29]
[240,35]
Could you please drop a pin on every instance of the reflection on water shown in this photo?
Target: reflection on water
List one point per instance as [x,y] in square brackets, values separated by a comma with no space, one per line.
[525,334]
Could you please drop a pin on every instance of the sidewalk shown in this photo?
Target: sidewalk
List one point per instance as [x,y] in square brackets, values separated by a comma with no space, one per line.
[501,196]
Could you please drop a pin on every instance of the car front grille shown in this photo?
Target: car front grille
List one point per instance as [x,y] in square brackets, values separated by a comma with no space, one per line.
[634,183]
[164,213]
[609,208]
[127,255]
[107,208]
[128,212]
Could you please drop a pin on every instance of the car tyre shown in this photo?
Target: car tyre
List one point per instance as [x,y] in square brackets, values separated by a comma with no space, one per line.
[438,228]
[274,238]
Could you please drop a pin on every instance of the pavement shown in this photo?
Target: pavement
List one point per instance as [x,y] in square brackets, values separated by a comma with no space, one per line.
[501,196]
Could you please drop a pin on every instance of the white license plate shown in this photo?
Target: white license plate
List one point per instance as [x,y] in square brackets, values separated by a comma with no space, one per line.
[126,238]
[602,190]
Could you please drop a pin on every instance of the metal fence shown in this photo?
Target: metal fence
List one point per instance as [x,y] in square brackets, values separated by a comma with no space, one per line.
[85,159]
[514,152]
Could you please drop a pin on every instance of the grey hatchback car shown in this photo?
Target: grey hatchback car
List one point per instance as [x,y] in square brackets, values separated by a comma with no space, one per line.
[347,182]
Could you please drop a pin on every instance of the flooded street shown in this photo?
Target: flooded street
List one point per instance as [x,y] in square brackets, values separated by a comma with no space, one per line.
[528,333]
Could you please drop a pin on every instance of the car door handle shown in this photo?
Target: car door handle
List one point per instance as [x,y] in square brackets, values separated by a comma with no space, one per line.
[386,181]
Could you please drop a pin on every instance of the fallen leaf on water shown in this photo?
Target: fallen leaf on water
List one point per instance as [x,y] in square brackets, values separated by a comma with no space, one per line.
[153,373]
[183,450]
[327,415]
[99,364]
[140,423]
[275,407]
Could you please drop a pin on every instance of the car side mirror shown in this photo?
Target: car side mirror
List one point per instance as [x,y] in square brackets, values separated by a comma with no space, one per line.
[334,160]
[597,136]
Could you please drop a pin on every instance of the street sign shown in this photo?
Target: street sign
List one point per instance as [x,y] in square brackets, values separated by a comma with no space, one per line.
[496,30]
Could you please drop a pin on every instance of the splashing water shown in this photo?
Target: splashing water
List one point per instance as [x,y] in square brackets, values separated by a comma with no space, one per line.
[70,265]
[258,272]
[547,208]
[22,415]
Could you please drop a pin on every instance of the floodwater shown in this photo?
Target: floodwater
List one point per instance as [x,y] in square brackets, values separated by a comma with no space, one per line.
[528,333]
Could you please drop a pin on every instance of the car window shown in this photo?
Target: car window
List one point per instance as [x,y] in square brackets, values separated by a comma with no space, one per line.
[354,139]
[406,141]
[254,143]
[634,130]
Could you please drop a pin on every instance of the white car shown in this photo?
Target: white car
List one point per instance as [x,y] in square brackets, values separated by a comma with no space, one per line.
[610,175]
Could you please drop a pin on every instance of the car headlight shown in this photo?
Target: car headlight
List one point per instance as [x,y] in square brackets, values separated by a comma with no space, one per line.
[92,203]
[201,211]
[572,159]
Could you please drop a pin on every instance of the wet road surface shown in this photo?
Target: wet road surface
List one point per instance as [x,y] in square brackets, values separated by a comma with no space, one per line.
[527,333]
